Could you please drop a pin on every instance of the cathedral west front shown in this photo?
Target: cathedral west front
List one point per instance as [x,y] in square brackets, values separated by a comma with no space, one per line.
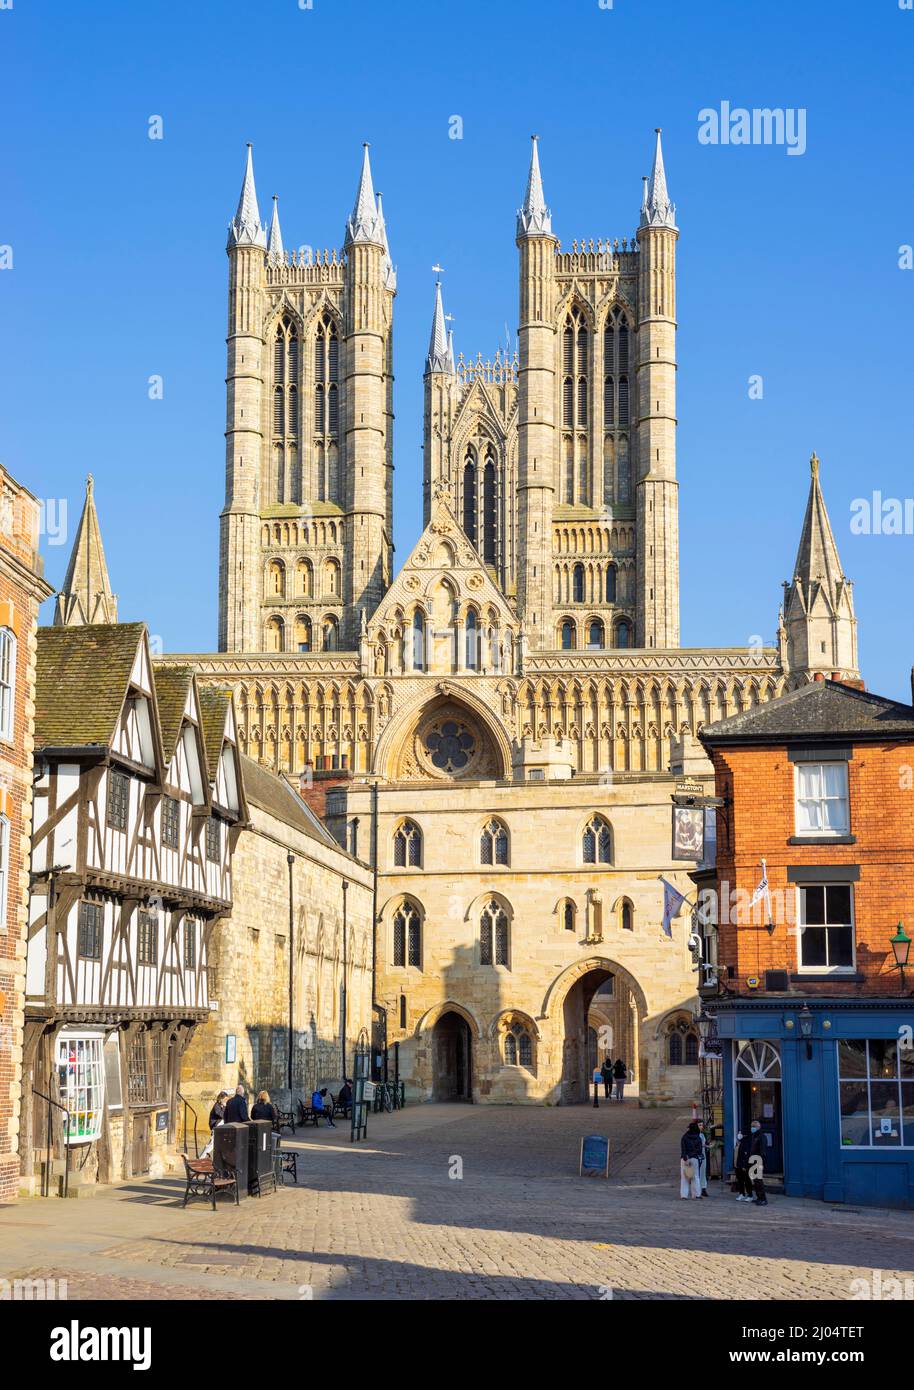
[498,727]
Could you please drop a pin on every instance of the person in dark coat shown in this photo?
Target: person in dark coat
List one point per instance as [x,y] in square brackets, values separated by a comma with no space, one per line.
[691,1149]
[263,1109]
[345,1096]
[620,1076]
[756,1164]
[606,1071]
[236,1112]
[217,1114]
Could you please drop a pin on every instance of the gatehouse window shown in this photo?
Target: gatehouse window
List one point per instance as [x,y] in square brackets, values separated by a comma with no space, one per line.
[408,846]
[493,843]
[518,1047]
[568,915]
[493,934]
[626,915]
[407,936]
[597,842]
[682,1045]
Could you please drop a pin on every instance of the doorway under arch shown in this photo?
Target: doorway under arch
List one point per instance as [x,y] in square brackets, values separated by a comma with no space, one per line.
[600,1020]
[452,1058]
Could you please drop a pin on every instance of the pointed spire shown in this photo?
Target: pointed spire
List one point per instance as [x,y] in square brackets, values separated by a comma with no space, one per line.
[390,274]
[274,245]
[86,595]
[534,218]
[656,208]
[247,228]
[364,224]
[437,360]
[817,557]
[451,366]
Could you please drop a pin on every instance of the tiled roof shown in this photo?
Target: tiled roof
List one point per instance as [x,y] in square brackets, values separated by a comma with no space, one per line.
[823,710]
[172,684]
[214,705]
[273,794]
[81,680]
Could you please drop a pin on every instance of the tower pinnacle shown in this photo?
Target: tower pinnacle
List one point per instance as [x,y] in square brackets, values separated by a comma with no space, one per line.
[438,359]
[534,218]
[86,595]
[819,618]
[247,229]
[274,245]
[656,208]
[365,224]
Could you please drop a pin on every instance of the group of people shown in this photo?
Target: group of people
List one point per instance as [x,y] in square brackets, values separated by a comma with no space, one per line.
[748,1164]
[228,1110]
[615,1075]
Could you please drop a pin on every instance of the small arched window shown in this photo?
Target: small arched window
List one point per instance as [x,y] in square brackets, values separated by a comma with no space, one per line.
[408,846]
[277,573]
[305,578]
[493,843]
[577,584]
[330,634]
[518,1047]
[7,684]
[418,640]
[595,635]
[275,635]
[493,934]
[597,842]
[472,640]
[623,634]
[303,633]
[611,581]
[567,635]
[407,931]
[626,915]
[568,915]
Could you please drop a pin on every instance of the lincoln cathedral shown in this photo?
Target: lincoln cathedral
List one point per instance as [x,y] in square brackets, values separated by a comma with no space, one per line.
[497,726]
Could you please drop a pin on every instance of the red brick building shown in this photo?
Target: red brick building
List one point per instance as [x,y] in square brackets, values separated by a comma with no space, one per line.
[22,589]
[817,824]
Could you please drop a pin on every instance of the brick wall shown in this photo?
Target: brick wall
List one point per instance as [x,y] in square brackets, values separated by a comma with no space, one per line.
[760,782]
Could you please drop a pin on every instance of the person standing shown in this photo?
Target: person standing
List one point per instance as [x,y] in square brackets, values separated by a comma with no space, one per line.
[264,1109]
[606,1071]
[620,1076]
[703,1162]
[690,1151]
[757,1164]
[741,1167]
[217,1114]
[236,1112]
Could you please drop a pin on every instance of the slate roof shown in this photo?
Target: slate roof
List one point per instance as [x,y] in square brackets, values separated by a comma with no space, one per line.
[826,711]
[81,679]
[273,794]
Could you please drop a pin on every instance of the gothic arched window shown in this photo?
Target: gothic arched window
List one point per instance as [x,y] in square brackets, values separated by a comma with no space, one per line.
[675,1050]
[568,915]
[510,1050]
[418,633]
[623,400]
[407,934]
[326,407]
[518,1047]
[489,512]
[493,843]
[472,640]
[493,934]
[626,915]
[469,495]
[691,1050]
[408,846]
[597,842]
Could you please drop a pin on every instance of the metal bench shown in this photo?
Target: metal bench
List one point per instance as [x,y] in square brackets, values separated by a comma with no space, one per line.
[204,1181]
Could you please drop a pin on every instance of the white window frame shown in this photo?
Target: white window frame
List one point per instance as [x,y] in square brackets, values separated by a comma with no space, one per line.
[867,1081]
[8,649]
[826,969]
[4,866]
[88,1079]
[820,832]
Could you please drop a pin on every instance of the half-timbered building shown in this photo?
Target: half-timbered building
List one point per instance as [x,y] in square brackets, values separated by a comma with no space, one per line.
[138,804]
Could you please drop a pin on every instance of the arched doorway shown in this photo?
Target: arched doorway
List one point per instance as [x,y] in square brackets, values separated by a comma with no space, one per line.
[600,1014]
[757,1076]
[452,1058]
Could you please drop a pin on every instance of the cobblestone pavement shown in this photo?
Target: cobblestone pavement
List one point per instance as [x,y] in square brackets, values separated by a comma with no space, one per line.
[460,1202]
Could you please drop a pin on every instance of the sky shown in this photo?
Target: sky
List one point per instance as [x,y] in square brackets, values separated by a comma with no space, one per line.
[792,267]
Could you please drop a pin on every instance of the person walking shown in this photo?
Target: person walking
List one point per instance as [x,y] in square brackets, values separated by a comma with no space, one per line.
[690,1151]
[606,1071]
[236,1111]
[620,1076]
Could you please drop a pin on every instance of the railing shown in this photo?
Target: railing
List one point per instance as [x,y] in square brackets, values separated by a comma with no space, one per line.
[188,1107]
[46,1175]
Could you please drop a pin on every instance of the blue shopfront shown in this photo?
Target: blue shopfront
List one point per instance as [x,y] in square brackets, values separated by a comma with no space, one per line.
[831,1082]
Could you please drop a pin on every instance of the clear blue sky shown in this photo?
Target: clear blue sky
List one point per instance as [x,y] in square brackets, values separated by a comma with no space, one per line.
[788,266]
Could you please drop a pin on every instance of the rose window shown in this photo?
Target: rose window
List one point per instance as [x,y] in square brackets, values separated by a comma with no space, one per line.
[450,746]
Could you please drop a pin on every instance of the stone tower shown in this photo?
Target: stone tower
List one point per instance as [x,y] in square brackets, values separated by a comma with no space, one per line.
[657,500]
[818,630]
[305,544]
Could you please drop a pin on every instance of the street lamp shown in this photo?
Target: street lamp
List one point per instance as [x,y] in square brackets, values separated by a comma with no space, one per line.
[901,945]
[806,1022]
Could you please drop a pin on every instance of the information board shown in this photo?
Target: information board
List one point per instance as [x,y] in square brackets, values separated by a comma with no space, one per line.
[594,1155]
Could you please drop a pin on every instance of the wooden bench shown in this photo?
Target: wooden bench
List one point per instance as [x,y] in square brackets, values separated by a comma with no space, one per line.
[204,1181]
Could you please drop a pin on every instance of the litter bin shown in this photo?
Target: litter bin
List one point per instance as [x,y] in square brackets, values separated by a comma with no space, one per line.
[260,1155]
